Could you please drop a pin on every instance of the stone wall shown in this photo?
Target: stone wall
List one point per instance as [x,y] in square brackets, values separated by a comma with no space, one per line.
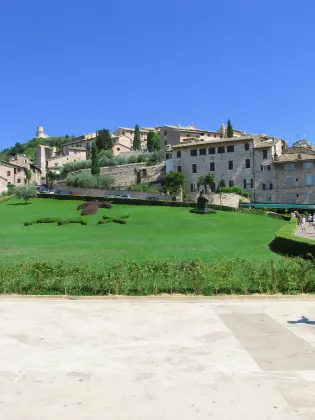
[228,200]
[125,175]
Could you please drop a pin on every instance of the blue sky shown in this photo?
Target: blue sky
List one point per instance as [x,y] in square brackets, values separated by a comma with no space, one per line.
[77,66]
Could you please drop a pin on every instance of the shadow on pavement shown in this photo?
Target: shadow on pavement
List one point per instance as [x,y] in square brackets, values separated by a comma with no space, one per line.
[303,320]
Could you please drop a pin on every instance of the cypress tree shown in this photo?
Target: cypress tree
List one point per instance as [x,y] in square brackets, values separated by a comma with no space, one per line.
[229,129]
[95,168]
[136,139]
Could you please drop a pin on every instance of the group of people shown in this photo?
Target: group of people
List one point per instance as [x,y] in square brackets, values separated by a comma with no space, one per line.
[302,219]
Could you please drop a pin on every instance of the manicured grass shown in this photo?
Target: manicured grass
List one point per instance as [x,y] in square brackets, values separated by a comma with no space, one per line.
[150,233]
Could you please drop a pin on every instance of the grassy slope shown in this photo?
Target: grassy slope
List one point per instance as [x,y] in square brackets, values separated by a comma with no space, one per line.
[151,232]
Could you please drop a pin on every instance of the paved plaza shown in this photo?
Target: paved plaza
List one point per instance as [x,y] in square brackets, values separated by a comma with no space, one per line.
[157,360]
[309,232]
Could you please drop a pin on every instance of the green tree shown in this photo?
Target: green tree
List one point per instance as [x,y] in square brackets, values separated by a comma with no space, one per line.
[28,175]
[95,168]
[229,129]
[104,140]
[221,184]
[136,139]
[26,192]
[173,181]
[52,177]
[153,141]
[207,180]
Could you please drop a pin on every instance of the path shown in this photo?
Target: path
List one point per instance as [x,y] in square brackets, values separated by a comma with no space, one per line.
[309,234]
[157,360]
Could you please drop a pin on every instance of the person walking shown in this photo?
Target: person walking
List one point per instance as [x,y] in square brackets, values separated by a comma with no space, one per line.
[310,219]
[303,223]
[314,221]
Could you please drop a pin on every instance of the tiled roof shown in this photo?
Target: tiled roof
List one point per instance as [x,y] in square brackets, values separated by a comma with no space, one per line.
[294,157]
[259,141]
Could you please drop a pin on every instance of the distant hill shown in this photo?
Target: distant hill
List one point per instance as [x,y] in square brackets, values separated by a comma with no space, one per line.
[29,148]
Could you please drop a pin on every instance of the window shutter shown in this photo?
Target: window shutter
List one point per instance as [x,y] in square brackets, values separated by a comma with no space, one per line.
[268,167]
[251,183]
[244,183]
[264,187]
[271,186]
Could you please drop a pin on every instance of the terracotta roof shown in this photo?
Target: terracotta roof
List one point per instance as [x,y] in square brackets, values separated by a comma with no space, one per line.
[2,162]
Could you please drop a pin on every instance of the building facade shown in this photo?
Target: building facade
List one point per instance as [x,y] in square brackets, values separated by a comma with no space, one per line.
[246,161]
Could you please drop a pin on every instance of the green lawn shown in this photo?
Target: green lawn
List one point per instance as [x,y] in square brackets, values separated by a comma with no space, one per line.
[150,233]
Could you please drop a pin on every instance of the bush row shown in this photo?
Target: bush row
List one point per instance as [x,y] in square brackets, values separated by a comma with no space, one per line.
[107,159]
[240,276]
[56,220]
[142,187]
[286,243]
[262,212]
[235,189]
[5,197]
[202,211]
[86,180]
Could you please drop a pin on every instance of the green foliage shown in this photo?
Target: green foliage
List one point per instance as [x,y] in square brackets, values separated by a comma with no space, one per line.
[86,180]
[173,181]
[153,141]
[104,140]
[229,129]
[95,167]
[210,211]
[119,221]
[142,187]
[136,145]
[106,158]
[42,220]
[155,277]
[104,222]
[207,180]
[79,220]
[235,190]
[26,192]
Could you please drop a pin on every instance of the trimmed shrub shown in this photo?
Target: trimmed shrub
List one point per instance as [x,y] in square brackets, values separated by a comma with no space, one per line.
[105,205]
[82,205]
[125,217]
[104,222]
[90,209]
[29,223]
[79,220]
[210,211]
[119,221]
[105,217]
[47,220]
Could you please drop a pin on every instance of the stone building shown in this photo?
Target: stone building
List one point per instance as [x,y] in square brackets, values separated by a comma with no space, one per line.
[246,161]
[14,172]
[126,136]
[40,133]
[295,176]
[171,135]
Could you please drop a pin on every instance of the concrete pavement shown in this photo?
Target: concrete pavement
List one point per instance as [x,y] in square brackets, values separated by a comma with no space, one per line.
[309,231]
[150,360]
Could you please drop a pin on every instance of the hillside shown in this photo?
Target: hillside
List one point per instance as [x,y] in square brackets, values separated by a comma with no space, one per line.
[29,148]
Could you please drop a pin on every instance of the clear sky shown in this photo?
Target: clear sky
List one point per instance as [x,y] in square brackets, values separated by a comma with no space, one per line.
[75,66]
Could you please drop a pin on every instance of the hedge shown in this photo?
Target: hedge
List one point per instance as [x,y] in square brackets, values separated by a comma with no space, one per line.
[196,211]
[286,243]
[6,198]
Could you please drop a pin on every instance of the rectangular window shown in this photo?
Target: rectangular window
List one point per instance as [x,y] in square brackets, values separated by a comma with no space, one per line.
[202,152]
[247,163]
[246,147]
[19,170]
[290,198]
[8,173]
[168,156]
[248,183]
[193,187]
[265,167]
[308,179]
[179,169]
[269,199]
[211,150]
[230,164]
[212,166]
[231,183]
[193,152]
[221,149]
[307,165]
[179,154]
[265,154]
[194,168]
[230,149]
[289,181]
[307,197]
[289,166]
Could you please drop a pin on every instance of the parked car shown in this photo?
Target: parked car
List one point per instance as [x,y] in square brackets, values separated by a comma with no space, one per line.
[126,196]
[41,189]
[153,198]
[50,192]
[60,192]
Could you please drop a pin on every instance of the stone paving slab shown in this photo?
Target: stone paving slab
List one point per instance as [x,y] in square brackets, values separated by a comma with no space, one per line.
[309,232]
[122,360]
